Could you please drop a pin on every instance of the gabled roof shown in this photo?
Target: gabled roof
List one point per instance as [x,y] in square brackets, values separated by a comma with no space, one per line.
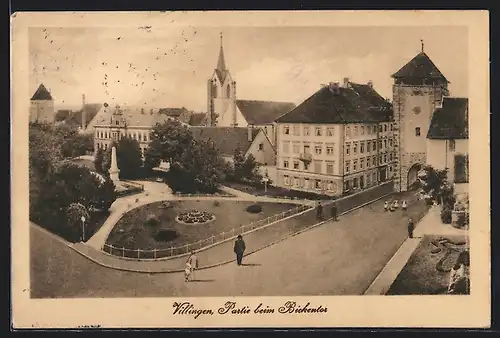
[354,104]
[262,112]
[91,110]
[41,94]
[135,116]
[226,139]
[421,66]
[451,121]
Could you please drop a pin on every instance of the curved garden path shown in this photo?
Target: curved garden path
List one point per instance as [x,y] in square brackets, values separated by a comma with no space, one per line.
[156,192]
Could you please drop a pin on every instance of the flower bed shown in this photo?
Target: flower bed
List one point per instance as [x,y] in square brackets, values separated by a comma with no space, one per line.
[195,217]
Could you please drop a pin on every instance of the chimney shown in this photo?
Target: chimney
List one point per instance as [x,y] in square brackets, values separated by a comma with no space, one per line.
[151,111]
[142,111]
[334,87]
[370,84]
[249,132]
[84,113]
[346,82]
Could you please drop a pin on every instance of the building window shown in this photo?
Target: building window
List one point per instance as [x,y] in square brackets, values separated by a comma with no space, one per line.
[329,131]
[362,147]
[361,163]
[329,167]
[317,150]
[329,150]
[307,149]
[362,130]
[385,127]
[390,141]
[295,164]
[285,163]
[461,169]
[356,131]
[346,185]
[306,183]
[368,179]
[261,146]
[392,126]
[355,148]
[286,130]
[348,131]
[374,177]
[380,128]
[296,181]
[296,130]
[354,165]
[286,147]
[318,131]
[286,180]
[306,131]
[330,186]
[368,162]
[417,131]
[317,184]
[417,110]
[385,143]
[390,157]
[317,167]
[451,145]
[355,183]
[374,160]
[390,168]
[296,148]
[306,166]
[385,158]
[347,166]
[348,149]
[374,145]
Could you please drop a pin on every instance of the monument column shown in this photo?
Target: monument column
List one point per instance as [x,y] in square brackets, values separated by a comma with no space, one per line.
[113,169]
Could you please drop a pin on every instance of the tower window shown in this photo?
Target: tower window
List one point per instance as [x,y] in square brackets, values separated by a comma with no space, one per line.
[228,91]
[417,131]
[417,110]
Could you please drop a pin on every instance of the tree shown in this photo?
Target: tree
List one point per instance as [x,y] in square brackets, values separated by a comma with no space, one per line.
[251,169]
[170,139]
[152,156]
[199,169]
[129,158]
[238,163]
[106,161]
[106,195]
[98,159]
[435,184]
[74,213]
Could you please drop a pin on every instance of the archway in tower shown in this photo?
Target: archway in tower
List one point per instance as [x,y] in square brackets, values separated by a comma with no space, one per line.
[412,178]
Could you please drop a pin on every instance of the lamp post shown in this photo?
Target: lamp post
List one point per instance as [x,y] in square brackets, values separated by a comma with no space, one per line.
[265,180]
[83,228]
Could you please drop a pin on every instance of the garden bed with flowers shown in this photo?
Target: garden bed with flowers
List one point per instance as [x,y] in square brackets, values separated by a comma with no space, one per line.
[163,225]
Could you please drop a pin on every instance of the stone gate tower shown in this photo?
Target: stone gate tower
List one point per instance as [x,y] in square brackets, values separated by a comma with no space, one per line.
[418,90]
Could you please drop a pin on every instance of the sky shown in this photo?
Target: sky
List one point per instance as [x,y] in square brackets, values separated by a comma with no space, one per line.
[169,66]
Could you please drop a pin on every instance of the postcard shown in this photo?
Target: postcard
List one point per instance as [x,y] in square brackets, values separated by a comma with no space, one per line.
[250,169]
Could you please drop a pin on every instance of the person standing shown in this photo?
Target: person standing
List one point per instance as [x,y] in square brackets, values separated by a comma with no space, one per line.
[319,211]
[411,227]
[404,205]
[239,249]
[386,206]
[334,211]
[193,262]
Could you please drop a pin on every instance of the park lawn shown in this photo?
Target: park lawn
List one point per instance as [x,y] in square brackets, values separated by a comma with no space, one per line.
[276,191]
[419,276]
[132,232]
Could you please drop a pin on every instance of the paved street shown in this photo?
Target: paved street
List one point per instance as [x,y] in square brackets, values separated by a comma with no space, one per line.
[337,258]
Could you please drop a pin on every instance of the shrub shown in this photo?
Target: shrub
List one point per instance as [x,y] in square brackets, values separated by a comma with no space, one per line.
[152,220]
[461,220]
[254,208]
[216,203]
[166,235]
[429,201]
[446,215]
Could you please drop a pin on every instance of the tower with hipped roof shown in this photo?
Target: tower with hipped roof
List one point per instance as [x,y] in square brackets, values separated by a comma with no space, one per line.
[42,106]
[418,88]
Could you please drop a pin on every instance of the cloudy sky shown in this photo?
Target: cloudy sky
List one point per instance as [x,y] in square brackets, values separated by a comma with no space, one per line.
[169,66]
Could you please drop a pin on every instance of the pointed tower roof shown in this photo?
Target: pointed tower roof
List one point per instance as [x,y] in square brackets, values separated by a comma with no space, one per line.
[421,66]
[221,69]
[41,94]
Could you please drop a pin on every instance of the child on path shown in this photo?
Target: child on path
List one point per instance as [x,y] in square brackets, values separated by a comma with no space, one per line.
[404,205]
[193,262]
[386,206]
[187,272]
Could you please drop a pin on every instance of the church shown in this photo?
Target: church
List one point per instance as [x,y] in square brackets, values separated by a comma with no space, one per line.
[225,110]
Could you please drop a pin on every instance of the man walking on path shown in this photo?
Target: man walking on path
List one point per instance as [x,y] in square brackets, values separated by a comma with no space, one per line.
[334,211]
[239,249]
[193,262]
[319,211]
[411,227]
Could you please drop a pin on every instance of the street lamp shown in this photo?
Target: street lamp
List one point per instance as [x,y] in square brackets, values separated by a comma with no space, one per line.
[83,228]
[265,180]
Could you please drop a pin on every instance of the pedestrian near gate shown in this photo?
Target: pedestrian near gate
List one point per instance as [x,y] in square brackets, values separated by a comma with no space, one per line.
[411,227]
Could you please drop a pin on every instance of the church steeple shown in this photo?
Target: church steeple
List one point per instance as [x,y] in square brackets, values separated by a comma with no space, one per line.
[221,64]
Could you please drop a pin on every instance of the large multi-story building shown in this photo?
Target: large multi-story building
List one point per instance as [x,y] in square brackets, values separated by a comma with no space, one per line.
[42,106]
[339,140]
[231,112]
[419,88]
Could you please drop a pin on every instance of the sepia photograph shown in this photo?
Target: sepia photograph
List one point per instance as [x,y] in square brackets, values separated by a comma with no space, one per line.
[250,169]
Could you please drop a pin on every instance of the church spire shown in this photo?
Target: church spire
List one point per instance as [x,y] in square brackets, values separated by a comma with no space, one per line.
[221,64]
[422,43]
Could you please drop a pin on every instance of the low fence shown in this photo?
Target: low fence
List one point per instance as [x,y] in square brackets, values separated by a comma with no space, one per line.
[217,194]
[132,189]
[154,254]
